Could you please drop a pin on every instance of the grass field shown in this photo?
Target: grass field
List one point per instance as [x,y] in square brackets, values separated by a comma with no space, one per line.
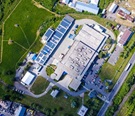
[59,102]
[29,18]
[39,85]
[49,70]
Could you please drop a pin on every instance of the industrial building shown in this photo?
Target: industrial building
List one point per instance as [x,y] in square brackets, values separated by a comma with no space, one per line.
[65,1]
[53,39]
[47,35]
[28,78]
[113,8]
[81,54]
[20,111]
[126,16]
[125,10]
[92,8]
[125,36]
[95,2]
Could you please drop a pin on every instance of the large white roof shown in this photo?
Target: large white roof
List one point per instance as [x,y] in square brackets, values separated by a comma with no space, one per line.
[28,78]
[95,2]
[113,7]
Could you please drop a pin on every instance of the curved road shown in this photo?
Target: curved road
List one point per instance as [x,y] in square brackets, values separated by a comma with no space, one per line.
[116,88]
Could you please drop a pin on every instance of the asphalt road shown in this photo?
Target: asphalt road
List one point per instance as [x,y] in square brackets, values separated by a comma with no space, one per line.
[116,88]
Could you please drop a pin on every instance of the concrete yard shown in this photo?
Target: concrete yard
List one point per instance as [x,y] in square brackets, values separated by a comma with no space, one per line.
[115,55]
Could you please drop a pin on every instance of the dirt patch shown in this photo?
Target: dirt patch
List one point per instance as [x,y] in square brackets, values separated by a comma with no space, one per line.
[129,5]
[132,3]
[124,22]
[37,4]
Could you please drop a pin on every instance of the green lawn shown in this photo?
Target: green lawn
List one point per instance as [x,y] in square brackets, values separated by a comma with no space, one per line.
[49,70]
[78,29]
[29,18]
[39,85]
[60,103]
[63,9]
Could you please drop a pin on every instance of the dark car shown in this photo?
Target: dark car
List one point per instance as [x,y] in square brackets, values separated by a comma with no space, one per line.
[101,86]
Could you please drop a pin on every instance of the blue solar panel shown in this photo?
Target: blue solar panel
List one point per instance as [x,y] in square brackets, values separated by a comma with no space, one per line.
[67,21]
[47,49]
[61,29]
[50,44]
[40,55]
[38,59]
[44,58]
[58,34]
[49,33]
[54,37]
[64,24]
[53,40]
[42,61]
[44,52]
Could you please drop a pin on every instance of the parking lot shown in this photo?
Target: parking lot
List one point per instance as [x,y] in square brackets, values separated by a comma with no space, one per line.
[92,79]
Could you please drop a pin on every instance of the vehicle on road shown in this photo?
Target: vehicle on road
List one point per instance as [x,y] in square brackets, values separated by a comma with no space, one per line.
[128,66]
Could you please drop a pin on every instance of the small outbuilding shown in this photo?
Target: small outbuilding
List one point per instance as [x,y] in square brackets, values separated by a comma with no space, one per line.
[125,37]
[54,93]
[113,8]
[20,111]
[82,111]
[28,78]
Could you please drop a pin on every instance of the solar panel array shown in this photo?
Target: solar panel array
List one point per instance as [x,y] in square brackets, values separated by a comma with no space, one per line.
[48,34]
[55,39]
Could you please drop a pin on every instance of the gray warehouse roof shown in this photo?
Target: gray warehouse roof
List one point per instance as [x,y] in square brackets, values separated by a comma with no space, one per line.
[79,56]
[87,7]
[91,37]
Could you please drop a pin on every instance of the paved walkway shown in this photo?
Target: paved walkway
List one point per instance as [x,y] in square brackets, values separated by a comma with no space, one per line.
[125,99]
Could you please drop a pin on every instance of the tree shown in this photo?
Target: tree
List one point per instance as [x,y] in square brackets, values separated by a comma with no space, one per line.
[122,54]
[9,72]
[101,54]
[59,108]
[109,41]
[47,111]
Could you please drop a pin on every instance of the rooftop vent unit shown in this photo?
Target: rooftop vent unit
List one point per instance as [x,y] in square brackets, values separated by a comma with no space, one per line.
[72,67]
